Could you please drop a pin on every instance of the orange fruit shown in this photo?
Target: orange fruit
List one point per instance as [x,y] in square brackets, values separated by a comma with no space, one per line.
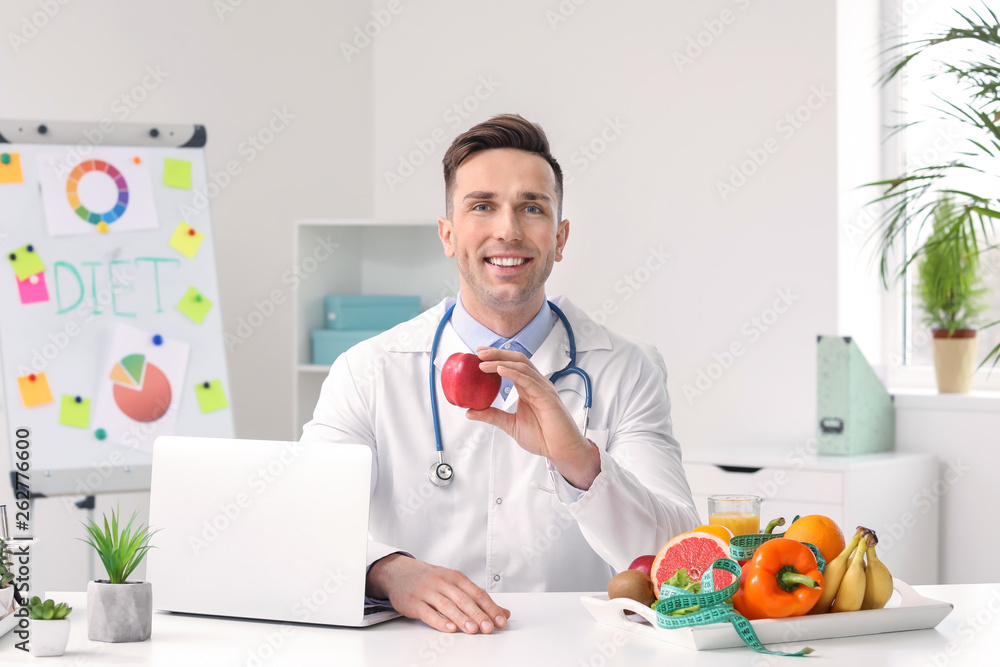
[721,532]
[821,531]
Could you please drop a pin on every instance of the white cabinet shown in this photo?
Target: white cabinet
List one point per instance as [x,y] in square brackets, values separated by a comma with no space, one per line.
[356,257]
[880,491]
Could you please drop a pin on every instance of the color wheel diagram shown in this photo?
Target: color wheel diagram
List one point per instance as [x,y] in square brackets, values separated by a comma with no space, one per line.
[73,195]
[141,390]
[110,191]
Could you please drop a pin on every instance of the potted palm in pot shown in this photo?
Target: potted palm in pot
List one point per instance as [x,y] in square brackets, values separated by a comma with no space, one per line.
[49,626]
[948,287]
[119,610]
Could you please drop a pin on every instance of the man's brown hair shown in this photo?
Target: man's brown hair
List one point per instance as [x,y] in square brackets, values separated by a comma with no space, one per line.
[503,131]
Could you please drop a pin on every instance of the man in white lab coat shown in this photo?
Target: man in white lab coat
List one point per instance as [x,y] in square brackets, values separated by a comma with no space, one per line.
[534,505]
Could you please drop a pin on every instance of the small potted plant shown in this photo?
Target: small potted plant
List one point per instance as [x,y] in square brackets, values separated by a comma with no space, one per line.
[6,577]
[49,626]
[949,288]
[119,610]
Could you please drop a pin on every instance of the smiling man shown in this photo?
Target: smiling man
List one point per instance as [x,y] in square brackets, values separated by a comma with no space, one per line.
[535,503]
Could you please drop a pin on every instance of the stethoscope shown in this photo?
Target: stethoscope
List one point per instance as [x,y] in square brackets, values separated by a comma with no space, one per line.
[441,473]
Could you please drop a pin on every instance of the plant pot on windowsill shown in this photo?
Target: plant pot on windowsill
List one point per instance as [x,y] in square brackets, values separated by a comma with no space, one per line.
[119,612]
[955,360]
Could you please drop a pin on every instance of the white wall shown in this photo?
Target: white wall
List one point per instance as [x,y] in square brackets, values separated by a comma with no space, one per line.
[228,71]
[656,184]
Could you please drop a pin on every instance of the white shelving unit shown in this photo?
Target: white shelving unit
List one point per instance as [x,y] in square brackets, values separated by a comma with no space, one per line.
[356,256]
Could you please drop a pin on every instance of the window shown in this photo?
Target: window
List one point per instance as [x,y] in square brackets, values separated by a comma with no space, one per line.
[920,98]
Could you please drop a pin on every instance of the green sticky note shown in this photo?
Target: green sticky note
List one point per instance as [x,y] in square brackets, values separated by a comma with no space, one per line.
[195,305]
[186,240]
[176,173]
[75,413]
[25,261]
[211,396]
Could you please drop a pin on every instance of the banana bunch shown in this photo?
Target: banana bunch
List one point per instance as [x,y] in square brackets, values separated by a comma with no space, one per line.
[850,584]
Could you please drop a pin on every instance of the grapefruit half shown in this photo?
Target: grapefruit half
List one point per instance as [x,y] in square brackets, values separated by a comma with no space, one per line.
[695,551]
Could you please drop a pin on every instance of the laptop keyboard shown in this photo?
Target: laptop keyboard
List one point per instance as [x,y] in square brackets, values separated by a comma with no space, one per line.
[377,609]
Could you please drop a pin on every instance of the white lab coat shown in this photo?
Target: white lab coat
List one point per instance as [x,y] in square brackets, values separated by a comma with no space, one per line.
[509,521]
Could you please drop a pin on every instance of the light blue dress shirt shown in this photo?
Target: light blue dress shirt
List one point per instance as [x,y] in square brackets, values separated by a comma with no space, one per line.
[526,341]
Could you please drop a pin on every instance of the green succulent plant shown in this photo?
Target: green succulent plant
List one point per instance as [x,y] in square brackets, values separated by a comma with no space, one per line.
[6,576]
[120,550]
[47,610]
[949,284]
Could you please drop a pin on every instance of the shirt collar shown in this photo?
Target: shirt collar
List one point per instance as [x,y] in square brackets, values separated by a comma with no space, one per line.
[474,334]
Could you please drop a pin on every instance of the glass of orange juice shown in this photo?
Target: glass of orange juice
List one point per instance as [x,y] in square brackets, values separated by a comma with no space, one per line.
[740,514]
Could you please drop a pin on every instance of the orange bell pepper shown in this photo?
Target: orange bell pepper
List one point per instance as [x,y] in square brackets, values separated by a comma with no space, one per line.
[782,579]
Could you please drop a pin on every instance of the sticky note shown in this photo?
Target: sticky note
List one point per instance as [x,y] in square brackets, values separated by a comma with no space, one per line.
[25,261]
[176,173]
[33,289]
[34,389]
[75,411]
[211,396]
[195,305]
[10,167]
[186,240]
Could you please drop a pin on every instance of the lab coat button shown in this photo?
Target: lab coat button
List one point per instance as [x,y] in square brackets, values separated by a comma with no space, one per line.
[496,577]
[499,501]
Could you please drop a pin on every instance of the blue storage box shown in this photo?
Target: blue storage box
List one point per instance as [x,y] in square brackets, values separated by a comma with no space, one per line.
[369,311]
[329,344]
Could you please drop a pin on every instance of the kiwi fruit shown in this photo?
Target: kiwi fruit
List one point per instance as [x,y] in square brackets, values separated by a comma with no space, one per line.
[634,585]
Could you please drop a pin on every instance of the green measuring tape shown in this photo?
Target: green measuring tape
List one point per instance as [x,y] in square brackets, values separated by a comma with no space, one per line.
[712,605]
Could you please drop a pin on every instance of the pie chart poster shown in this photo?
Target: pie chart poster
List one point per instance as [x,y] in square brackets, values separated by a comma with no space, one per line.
[141,394]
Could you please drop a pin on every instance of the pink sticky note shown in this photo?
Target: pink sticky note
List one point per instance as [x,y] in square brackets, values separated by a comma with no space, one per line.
[33,289]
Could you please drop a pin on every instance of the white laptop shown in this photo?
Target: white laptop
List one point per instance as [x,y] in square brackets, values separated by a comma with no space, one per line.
[261,529]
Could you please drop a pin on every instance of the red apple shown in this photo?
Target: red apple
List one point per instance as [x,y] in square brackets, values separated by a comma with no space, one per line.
[643,563]
[466,385]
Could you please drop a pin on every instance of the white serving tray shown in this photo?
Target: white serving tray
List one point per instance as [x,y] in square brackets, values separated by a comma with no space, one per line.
[906,610]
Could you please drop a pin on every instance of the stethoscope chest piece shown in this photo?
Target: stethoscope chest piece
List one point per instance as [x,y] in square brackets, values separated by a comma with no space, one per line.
[441,474]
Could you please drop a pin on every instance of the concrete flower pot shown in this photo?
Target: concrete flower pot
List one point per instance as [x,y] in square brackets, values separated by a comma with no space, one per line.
[49,638]
[955,360]
[119,612]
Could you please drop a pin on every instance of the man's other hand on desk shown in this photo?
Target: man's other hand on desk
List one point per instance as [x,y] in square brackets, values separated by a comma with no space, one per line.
[444,599]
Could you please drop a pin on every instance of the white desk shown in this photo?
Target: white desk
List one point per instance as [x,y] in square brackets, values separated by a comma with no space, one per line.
[546,629]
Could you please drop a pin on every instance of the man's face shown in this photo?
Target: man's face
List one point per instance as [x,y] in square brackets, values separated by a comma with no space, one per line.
[504,231]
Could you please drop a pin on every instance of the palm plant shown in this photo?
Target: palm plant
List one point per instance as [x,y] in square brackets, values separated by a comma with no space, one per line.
[922,195]
[121,551]
[949,275]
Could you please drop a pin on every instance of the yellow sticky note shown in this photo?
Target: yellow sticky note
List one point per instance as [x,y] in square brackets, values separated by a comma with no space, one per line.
[211,396]
[10,167]
[75,411]
[195,305]
[25,261]
[34,389]
[186,240]
[176,173]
